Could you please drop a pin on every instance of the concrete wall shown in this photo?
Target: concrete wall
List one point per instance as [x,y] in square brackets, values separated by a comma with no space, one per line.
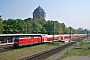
[62,53]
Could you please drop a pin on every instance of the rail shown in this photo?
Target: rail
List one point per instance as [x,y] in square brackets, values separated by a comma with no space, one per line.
[46,54]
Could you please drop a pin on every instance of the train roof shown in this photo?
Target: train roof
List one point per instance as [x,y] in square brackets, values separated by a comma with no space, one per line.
[4,35]
[65,35]
[72,34]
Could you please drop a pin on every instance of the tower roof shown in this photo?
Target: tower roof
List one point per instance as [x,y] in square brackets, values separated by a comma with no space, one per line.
[39,10]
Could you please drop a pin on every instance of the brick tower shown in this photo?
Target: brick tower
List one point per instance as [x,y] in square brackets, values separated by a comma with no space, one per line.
[39,13]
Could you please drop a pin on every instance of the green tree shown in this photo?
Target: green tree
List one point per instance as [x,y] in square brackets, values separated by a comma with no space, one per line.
[36,27]
[33,25]
[58,27]
[66,31]
[41,21]
[1,25]
[63,28]
[20,26]
[70,30]
[75,31]
[8,25]
[28,22]
[49,27]
[43,30]
[14,26]
[0,18]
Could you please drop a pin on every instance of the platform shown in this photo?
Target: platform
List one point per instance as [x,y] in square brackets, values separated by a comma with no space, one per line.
[6,43]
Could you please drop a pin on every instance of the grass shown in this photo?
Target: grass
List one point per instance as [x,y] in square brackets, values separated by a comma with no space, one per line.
[80,50]
[27,51]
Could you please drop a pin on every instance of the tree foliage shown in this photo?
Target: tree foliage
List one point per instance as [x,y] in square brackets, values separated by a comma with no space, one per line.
[28,23]
[49,27]
[58,27]
[31,25]
[36,27]
[14,26]
[1,25]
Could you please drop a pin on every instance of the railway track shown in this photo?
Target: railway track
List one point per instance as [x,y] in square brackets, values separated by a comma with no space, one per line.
[8,47]
[46,54]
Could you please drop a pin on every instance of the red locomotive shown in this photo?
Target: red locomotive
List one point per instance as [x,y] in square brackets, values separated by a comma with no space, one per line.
[33,39]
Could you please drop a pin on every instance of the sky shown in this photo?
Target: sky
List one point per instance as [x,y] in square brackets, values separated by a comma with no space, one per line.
[74,13]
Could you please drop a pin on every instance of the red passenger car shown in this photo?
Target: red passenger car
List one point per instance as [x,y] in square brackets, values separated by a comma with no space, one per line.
[51,38]
[66,36]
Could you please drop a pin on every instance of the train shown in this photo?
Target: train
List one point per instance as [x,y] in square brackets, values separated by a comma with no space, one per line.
[42,38]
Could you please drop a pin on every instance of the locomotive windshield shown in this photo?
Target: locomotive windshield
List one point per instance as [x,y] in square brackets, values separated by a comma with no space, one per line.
[16,40]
